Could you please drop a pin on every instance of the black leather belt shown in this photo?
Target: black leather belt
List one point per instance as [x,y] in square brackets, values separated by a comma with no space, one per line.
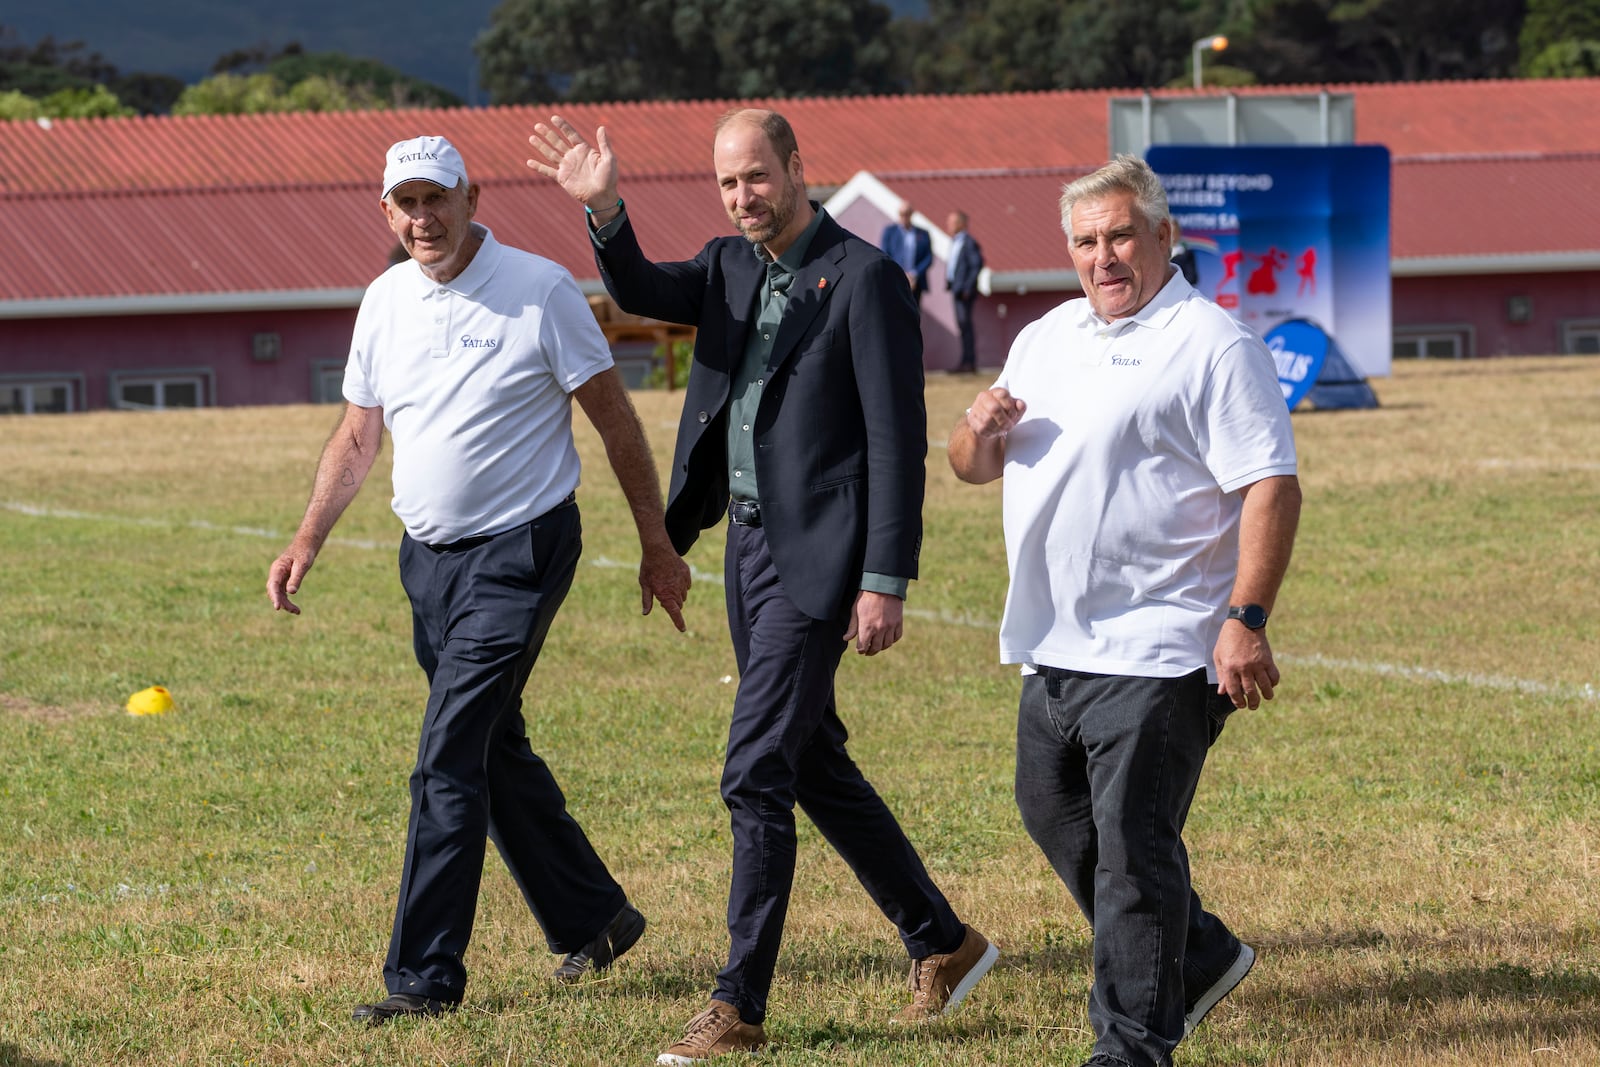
[744,513]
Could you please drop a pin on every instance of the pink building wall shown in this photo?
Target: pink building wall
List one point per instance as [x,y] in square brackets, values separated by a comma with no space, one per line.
[1483,302]
[94,347]
[91,349]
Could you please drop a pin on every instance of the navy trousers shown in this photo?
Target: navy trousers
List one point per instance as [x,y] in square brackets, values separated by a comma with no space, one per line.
[787,744]
[480,612]
[969,338]
[1106,769]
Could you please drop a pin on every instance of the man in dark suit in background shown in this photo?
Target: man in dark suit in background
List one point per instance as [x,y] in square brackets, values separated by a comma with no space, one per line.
[803,421]
[961,278]
[912,248]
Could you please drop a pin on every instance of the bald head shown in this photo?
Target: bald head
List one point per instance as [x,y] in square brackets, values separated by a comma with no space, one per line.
[776,128]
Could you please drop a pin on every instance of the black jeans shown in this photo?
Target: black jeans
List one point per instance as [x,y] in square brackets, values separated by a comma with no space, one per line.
[787,744]
[1106,770]
[480,612]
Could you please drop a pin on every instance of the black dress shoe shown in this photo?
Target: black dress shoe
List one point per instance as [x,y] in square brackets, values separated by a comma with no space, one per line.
[396,1004]
[618,937]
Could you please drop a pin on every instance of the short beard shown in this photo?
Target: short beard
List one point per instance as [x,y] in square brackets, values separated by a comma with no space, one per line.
[782,214]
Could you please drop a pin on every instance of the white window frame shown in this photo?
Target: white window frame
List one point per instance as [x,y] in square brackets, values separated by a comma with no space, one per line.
[201,378]
[72,383]
[1574,334]
[1460,337]
[326,373]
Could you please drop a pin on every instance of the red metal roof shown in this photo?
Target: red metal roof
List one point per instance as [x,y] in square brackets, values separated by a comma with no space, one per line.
[210,241]
[240,204]
[1496,205]
[1012,216]
[887,135]
[838,136]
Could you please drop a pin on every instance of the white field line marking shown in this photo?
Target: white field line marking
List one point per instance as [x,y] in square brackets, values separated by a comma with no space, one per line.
[1496,682]
[1499,683]
[1537,464]
[192,524]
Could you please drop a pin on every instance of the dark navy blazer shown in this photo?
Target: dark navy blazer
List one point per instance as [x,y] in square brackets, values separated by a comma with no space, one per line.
[963,278]
[894,235]
[841,430]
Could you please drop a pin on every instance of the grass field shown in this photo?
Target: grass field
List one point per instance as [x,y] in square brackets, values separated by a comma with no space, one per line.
[1409,835]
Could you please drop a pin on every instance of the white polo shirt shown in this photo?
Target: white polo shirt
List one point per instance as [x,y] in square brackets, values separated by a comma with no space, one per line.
[474,377]
[1121,511]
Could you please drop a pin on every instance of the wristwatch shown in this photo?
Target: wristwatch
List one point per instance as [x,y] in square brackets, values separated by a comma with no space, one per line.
[1254,616]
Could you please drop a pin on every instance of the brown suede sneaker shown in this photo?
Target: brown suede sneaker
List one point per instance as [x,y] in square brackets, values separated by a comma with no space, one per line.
[714,1032]
[940,982]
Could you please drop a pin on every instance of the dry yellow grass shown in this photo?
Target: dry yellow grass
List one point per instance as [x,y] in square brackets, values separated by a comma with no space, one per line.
[1408,834]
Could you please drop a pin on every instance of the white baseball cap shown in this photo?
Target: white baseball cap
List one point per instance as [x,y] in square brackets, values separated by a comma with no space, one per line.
[432,159]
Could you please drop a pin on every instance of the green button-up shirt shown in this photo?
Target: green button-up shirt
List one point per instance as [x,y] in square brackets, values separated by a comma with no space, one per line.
[750,376]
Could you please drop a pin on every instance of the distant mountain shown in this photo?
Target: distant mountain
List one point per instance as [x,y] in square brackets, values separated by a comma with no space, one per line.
[183,38]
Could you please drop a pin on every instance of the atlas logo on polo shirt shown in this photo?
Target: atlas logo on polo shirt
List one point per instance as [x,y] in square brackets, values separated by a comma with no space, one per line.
[1126,361]
[479,342]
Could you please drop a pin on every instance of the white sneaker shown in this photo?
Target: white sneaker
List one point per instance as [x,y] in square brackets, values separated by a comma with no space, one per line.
[1220,988]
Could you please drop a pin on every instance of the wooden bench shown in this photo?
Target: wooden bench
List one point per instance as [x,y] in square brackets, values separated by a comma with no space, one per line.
[621,328]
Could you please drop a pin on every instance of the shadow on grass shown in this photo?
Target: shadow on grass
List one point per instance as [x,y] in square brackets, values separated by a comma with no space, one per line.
[1399,989]
[1077,957]
[693,980]
[12,1056]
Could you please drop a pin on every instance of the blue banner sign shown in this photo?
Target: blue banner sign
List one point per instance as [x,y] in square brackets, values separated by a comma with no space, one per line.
[1285,233]
[1300,349]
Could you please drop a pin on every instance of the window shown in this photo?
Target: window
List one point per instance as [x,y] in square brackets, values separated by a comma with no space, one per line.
[266,347]
[157,390]
[327,381]
[39,396]
[1580,337]
[1432,342]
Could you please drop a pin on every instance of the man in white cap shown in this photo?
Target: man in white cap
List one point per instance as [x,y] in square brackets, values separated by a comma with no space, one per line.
[470,353]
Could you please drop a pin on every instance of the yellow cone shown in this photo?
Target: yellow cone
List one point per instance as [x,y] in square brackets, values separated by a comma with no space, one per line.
[153,701]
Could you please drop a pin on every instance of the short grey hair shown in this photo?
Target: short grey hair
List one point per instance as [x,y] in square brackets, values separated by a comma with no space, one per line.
[1124,174]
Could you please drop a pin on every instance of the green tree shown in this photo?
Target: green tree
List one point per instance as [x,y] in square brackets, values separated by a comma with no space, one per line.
[71,103]
[19,107]
[252,94]
[1131,44]
[231,94]
[1559,38]
[363,79]
[548,50]
[46,67]
[95,103]
[367,82]
[1566,59]
[1028,45]
[1378,40]
[148,94]
[318,92]
[1550,22]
